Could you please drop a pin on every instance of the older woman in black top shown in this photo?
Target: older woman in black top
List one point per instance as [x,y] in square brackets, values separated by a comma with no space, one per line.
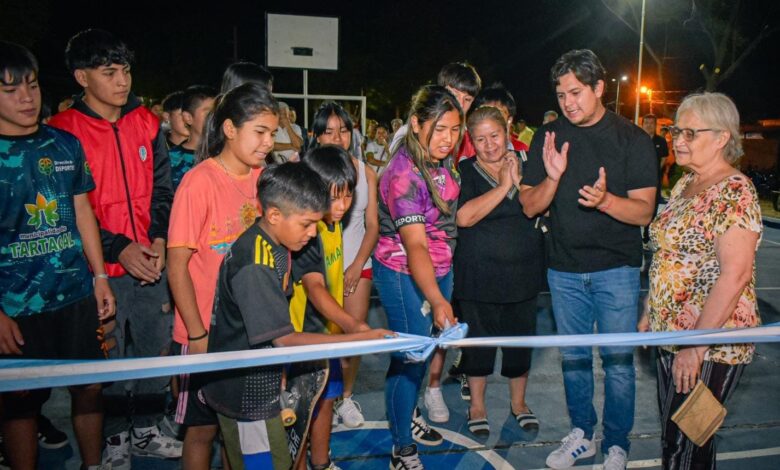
[498,266]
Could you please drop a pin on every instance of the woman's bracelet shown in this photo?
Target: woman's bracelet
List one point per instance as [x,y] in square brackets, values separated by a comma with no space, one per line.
[101,276]
[196,338]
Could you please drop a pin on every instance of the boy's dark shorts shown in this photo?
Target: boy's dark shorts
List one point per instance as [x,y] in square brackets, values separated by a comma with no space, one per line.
[191,408]
[71,332]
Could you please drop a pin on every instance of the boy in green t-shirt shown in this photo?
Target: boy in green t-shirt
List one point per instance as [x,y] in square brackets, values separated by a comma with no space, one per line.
[51,304]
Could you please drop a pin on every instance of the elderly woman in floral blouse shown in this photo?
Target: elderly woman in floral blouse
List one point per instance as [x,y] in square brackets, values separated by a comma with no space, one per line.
[703,271]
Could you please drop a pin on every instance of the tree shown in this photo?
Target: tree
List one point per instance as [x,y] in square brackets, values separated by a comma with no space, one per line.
[725,25]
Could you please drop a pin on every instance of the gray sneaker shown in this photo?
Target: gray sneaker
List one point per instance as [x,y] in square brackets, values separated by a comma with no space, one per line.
[150,442]
[116,454]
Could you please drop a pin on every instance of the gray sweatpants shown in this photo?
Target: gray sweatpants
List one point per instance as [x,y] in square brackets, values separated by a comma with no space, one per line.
[143,328]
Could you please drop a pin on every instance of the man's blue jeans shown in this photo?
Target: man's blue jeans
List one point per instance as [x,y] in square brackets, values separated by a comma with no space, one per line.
[407,312]
[610,299]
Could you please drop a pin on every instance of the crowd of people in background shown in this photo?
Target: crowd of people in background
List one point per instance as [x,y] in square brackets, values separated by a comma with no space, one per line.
[216,222]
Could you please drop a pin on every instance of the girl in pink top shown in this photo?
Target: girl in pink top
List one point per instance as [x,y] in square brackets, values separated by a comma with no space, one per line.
[215,203]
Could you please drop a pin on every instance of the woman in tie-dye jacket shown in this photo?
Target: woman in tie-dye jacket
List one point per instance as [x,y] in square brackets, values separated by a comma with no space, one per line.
[418,194]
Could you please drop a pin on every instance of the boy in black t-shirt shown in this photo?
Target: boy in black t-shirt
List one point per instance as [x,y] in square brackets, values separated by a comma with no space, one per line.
[251,311]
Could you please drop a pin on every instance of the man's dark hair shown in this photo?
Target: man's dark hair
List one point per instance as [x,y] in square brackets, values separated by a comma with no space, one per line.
[17,64]
[173,101]
[496,93]
[194,95]
[239,73]
[649,116]
[583,63]
[292,188]
[93,48]
[461,76]
[334,165]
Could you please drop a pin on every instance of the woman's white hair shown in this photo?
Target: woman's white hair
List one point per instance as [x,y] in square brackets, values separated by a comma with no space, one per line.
[718,112]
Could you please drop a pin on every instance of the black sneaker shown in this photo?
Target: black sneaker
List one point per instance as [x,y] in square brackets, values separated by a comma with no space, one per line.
[406,459]
[50,437]
[465,390]
[423,433]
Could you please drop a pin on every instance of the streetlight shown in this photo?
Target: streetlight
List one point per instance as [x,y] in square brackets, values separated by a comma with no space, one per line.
[617,92]
[639,69]
[644,90]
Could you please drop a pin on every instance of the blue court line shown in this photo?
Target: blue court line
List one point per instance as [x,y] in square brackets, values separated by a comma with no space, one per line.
[25,374]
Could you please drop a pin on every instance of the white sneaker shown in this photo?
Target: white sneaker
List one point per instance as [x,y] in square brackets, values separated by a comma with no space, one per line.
[616,459]
[116,454]
[437,409]
[151,442]
[350,412]
[573,447]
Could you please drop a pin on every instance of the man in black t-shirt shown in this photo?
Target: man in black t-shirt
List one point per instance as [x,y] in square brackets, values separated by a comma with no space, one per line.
[596,174]
[649,122]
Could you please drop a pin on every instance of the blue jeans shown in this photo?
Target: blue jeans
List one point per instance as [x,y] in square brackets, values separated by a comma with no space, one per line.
[403,304]
[610,299]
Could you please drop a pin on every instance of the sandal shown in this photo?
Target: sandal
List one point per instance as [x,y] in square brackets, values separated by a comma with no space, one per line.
[478,427]
[526,420]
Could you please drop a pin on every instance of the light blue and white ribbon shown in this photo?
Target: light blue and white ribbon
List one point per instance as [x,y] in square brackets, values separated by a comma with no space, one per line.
[25,374]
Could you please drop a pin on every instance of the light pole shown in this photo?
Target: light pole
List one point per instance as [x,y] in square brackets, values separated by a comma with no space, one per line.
[639,69]
[617,92]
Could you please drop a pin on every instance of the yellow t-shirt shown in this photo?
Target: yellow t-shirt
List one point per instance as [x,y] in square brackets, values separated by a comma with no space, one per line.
[328,252]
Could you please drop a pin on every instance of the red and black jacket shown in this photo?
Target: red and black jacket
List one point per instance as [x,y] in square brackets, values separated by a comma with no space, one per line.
[129,162]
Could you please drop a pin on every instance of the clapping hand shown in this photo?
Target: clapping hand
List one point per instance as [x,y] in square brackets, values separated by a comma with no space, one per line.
[554,161]
[594,196]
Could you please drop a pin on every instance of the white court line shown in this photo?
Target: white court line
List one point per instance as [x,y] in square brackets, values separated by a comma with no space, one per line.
[492,457]
[649,463]
[770,241]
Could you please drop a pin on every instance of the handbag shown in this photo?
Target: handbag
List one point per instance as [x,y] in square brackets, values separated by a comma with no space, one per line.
[700,415]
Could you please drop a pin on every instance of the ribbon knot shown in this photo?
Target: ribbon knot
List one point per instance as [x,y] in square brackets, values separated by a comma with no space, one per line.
[421,353]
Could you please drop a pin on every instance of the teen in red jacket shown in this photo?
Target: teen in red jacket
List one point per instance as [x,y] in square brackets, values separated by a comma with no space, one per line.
[132,199]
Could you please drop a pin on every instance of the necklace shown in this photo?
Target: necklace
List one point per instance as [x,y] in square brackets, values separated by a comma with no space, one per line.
[232,181]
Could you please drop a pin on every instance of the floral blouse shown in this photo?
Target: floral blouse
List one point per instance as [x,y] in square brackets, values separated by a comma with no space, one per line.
[685,266]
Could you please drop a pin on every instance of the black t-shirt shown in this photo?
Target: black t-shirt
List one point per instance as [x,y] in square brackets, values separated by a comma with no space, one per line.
[250,310]
[500,259]
[661,147]
[584,239]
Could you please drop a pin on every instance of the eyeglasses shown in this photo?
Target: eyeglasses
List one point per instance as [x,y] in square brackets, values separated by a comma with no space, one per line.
[688,134]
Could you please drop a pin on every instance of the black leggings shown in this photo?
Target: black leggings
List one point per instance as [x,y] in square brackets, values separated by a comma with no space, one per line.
[487,319]
[679,453]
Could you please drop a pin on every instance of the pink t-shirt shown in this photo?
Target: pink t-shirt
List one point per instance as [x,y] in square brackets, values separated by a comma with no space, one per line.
[210,210]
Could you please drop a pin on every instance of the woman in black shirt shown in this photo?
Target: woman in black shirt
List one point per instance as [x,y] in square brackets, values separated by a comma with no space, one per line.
[498,266]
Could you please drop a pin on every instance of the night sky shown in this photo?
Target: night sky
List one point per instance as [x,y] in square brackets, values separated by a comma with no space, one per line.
[388,49]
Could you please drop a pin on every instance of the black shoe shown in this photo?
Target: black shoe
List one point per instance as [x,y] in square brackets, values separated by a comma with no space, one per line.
[406,459]
[465,390]
[50,437]
[528,422]
[479,427]
[423,433]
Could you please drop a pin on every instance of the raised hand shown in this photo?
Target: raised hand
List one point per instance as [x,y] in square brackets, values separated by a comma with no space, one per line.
[505,173]
[514,169]
[554,161]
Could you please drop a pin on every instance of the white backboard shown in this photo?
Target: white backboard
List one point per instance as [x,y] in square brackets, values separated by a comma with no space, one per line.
[302,42]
